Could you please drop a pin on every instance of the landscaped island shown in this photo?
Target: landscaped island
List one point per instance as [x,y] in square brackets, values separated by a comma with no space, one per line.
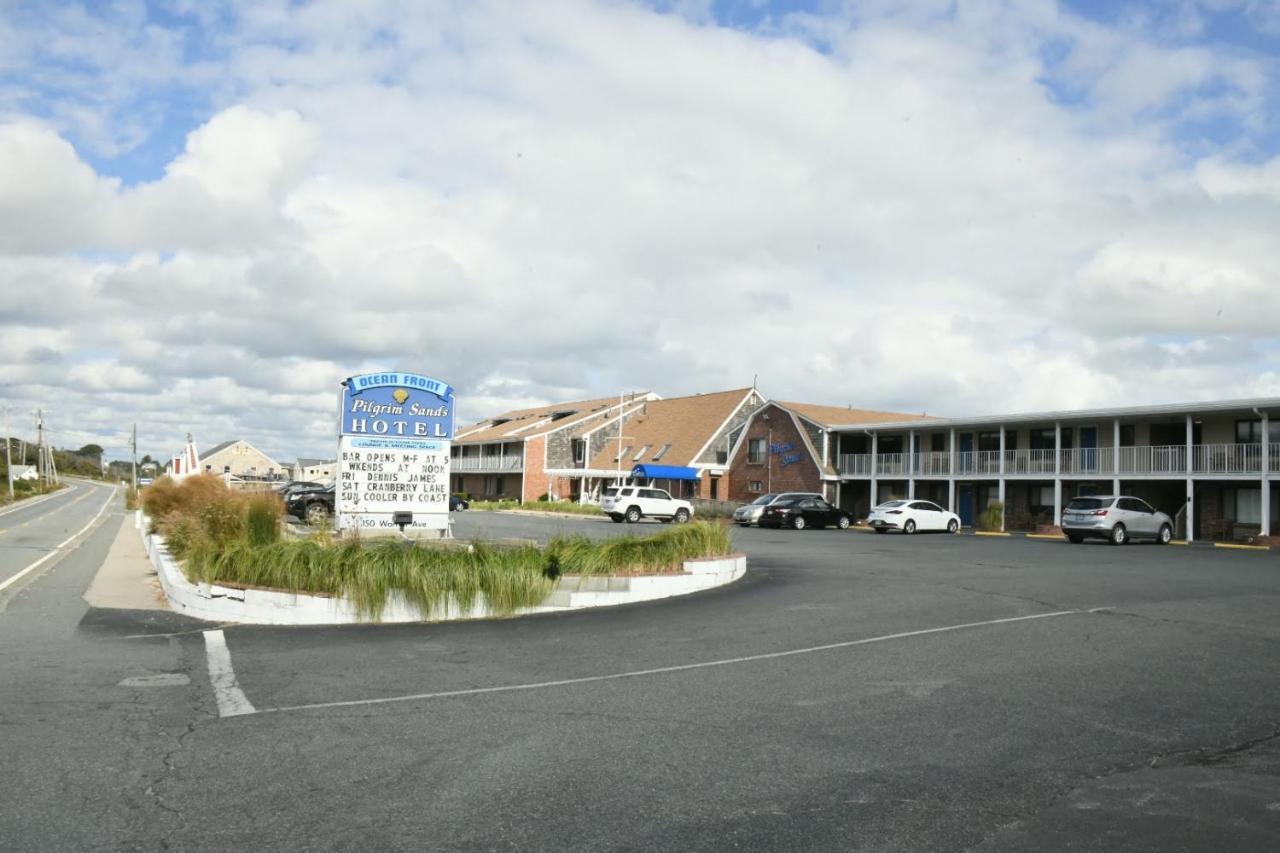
[236,538]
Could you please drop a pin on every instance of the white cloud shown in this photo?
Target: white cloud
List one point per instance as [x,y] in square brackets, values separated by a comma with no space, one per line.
[568,199]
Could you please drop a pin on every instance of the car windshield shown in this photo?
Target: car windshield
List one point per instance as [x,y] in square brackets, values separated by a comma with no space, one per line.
[891,504]
[763,499]
[1087,503]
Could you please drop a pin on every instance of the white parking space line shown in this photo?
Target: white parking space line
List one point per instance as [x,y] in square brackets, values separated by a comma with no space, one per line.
[476,691]
[226,690]
[57,549]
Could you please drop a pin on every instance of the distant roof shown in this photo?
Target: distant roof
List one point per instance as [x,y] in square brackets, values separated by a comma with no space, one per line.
[304,463]
[217,448]
[685,423]
[829,415]
[519,424]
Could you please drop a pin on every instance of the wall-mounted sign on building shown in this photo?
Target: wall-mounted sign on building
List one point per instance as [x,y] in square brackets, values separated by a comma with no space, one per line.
[395,435]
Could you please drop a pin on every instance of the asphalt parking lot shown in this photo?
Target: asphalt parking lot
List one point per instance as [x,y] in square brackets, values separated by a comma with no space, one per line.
[852,692]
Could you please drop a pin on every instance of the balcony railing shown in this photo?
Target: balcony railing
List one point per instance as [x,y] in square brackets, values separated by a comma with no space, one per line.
[1227,458]
[1102,461]
[487,463]
[1161,459]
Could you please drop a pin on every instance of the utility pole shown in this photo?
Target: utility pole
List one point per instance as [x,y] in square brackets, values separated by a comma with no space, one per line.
[8,455]
[134,445]
[41,465]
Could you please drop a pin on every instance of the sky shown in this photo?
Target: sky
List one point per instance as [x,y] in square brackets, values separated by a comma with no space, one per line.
[213,212]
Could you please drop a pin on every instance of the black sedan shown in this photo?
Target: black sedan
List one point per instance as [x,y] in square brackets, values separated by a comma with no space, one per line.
[312,505]
[800,513]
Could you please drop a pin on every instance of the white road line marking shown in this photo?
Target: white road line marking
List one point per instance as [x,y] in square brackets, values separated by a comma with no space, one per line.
[29,502]
[231,699]
[58,548]
[475,691]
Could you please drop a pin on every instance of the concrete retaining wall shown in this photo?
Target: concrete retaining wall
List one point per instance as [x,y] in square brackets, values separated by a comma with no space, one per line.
[217,603]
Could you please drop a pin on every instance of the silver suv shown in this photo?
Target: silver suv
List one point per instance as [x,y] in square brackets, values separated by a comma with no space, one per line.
[1116,519]
[749,514]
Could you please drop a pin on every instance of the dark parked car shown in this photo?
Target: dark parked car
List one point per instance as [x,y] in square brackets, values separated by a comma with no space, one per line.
[313,505]
[457,503]
[800,513]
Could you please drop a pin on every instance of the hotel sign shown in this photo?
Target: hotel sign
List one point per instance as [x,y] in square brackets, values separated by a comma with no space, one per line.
[395,436]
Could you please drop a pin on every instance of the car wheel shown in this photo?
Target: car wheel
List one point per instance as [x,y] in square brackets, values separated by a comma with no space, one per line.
[843,523]
[633,515]
[953,526]
[1166,534]
[317,513]
[1073,539]
[798,522]
[682,516]
[1119,535]
[909,526]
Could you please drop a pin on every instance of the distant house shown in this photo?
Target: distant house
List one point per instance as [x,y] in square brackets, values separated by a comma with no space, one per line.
[242,460]
[314,470]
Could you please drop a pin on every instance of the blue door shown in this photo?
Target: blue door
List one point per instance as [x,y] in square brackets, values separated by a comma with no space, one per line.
[964,501]
[966,452]
[1088,448]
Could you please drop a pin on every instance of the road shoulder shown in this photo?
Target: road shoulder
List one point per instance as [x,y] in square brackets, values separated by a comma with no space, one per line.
[126,579]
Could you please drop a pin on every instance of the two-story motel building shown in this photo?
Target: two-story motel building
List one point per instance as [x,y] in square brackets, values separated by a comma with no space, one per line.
[1213,467]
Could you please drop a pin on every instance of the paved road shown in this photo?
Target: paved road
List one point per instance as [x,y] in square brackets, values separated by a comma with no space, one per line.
[830,713]
[34,528]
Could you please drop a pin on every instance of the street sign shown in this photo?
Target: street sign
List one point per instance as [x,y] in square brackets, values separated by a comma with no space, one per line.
[395,437]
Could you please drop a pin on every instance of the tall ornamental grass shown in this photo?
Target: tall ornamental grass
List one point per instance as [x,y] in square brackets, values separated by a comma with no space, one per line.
[201,508]
[429,576]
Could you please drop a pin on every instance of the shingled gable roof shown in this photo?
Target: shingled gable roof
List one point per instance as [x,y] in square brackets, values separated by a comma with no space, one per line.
[519,424]
[827,416]
[686,423]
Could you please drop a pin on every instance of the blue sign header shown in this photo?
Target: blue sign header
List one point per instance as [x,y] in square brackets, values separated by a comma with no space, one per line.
[397,405]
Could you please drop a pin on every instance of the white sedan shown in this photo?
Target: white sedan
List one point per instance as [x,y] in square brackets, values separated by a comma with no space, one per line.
[910,516]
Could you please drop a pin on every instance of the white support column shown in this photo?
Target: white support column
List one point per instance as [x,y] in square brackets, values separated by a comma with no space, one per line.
[1057,502]
[875,449]
[1191,434]
[1115,451]
[951,471]
[911,465]
[1057,474]
[1191,510]
[1266,476]
[1003,512]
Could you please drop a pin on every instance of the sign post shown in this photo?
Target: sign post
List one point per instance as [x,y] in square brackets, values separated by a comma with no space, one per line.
[394,443]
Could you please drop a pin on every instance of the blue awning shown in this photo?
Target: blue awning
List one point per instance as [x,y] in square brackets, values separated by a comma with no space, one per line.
[666,472]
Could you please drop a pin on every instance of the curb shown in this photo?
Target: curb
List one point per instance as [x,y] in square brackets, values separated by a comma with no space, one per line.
[262,606]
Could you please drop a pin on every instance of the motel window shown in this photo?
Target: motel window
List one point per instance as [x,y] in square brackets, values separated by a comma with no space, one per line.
[490,486]
[756,487]
[938,442]
[1042,439]
[641,452]
[1247,506]
[661,452]
[988,441]
[579,451]
[1128,435]
[755,451]
[1250,432]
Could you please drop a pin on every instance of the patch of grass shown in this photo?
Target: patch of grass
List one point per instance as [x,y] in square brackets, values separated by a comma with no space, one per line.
[369,573]
[566,507]
[202,507]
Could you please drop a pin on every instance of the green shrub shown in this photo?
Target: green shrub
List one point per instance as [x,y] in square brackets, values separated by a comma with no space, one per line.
[991,518]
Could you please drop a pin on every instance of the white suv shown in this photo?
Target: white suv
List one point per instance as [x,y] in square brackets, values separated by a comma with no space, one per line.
[632,503]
